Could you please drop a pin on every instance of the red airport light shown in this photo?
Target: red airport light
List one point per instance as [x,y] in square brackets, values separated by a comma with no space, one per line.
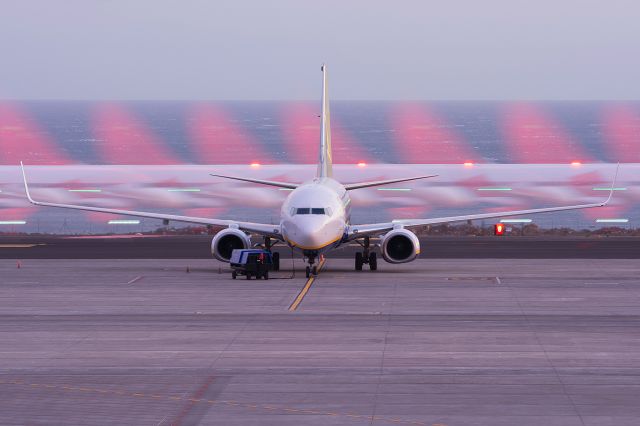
[498,229]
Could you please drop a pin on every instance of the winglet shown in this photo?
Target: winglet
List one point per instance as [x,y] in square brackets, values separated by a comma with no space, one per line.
[26,187]
[613,184]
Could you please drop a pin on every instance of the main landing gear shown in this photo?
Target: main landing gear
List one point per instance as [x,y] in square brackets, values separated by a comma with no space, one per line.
[366,256]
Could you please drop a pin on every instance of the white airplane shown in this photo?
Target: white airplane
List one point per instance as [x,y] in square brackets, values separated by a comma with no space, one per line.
[315,217]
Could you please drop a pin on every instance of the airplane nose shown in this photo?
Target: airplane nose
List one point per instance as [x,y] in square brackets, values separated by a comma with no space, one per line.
[310,233]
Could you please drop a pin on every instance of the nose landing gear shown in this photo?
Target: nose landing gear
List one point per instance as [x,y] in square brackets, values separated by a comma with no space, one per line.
[366,256]
[312,269]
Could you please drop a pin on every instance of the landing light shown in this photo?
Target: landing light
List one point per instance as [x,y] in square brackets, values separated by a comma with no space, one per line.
[85,190]
[612,220]
[516,220]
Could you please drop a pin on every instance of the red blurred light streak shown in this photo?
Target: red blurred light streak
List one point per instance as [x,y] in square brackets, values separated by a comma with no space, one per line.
[622,133]
[533,137]
[125,139]
[216,139]
[22,140]
[424,138]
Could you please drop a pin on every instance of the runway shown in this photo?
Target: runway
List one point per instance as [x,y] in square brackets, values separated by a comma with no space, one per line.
[199,247]
[433,342]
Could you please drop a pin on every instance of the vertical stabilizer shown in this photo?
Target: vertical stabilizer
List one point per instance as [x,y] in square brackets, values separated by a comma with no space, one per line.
[325,163]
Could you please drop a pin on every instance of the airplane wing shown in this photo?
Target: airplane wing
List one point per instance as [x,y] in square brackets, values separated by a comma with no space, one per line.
[357,231]
[269,230]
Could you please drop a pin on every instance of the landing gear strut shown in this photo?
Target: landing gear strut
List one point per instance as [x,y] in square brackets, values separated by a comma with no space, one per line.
[312,269]
[366,256]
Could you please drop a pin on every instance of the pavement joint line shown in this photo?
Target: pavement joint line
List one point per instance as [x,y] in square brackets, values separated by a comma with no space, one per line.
[211,401]
[305,289]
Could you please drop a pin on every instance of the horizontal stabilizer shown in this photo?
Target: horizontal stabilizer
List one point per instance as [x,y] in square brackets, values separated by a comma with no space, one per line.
[261,182]
[359,185]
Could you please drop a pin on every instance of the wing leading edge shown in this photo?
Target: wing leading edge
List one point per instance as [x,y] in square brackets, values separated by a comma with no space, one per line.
[257,228]
[356,231]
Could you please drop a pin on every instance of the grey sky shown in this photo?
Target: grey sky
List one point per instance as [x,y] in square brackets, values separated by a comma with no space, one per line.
[272,49]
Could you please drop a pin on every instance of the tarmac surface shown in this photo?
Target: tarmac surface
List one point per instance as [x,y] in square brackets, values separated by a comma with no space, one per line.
[433,247]
[432,342]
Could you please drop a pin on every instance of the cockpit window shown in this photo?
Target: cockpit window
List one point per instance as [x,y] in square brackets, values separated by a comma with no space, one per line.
[308,210]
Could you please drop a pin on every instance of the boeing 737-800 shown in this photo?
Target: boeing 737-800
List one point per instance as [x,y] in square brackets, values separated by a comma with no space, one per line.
[315,217]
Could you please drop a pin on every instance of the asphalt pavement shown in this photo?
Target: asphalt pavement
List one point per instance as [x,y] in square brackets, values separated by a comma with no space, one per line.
[199,247]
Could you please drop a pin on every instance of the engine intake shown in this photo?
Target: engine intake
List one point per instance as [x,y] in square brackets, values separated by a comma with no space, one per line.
[228,240]
[400,246]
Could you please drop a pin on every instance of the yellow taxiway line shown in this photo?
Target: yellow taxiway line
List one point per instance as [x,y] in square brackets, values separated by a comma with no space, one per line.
[305,289]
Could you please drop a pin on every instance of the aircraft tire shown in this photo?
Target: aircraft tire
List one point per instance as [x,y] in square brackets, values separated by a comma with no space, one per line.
[359,261]
[373,261]
[234,274]
[276,261]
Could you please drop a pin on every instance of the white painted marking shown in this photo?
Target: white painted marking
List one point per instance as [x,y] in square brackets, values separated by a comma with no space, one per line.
[136,279]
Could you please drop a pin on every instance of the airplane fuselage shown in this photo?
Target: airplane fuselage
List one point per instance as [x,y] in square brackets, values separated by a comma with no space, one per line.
[315,216]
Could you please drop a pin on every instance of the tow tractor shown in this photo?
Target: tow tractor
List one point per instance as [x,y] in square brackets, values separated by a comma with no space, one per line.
[251,262]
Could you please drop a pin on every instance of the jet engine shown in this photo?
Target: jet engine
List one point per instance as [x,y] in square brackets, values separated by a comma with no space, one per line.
[228,240]
[400,246]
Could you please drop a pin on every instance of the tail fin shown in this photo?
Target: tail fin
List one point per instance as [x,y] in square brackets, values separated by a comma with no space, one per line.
[325,168]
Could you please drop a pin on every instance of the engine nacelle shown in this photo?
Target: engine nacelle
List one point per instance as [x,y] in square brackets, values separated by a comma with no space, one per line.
[228,240]
[400,246]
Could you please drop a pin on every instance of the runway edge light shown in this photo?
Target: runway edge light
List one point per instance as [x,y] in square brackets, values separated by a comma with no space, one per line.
[498,229]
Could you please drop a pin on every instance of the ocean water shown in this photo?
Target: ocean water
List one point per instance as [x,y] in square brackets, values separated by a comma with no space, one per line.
[527,146]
